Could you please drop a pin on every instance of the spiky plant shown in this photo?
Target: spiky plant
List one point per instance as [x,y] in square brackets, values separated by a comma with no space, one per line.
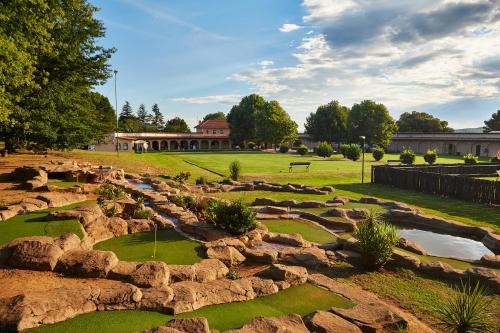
[468,311]
[377,240]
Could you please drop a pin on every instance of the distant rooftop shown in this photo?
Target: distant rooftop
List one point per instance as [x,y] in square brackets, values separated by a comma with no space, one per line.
[213,124]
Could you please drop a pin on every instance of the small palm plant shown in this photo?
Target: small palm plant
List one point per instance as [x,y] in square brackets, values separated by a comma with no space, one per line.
[377,240]
[466,312]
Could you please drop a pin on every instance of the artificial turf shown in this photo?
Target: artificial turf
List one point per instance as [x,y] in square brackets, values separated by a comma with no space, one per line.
[308,230]
[172,248]
[301,300]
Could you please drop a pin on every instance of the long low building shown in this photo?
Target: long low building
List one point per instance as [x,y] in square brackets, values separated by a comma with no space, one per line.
[478,144]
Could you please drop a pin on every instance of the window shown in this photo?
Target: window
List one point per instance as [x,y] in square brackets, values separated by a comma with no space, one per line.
[125,146]
[208,131]
[221,131]
[214,132]
[118,146]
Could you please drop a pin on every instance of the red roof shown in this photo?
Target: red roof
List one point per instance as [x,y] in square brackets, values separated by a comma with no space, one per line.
[214,124]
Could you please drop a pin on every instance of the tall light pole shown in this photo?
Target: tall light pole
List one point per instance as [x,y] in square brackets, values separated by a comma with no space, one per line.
[363,161]
[116,113]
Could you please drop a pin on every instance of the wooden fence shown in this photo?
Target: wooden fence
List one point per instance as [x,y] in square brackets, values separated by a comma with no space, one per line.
[451,181]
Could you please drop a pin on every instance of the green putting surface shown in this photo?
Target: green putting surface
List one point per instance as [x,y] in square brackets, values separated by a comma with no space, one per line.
[308,230]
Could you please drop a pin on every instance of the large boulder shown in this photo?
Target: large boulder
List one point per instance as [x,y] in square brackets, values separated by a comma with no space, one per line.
[156,299]
[286,324]
[441,270]
[153,274]
[288,239]
[404,259]
[210,270]
[487,277]
[180,273]
[372,317]
[263,287]
[311,204]
[309,257]
[261,255]
[491,260]
[327,322]
[36,253]
[190,325]
[87,263]
[411,246]
[229,255]
[139,225]
[294,275]
[32,205]
[55,199]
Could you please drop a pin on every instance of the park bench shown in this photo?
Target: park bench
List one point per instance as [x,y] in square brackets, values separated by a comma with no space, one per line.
[296,164]
[394,162]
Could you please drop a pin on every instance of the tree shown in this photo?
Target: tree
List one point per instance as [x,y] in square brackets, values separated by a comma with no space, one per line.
[54,42]
[421,122]
[242,118]
[177,125]
[373,121]
[328,123]
[142,114]
[493,124]
[105,114]
[274,125]
[126,112]
[215,116]
[157,121]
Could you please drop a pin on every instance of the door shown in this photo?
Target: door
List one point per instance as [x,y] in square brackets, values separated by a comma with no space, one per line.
[478,150]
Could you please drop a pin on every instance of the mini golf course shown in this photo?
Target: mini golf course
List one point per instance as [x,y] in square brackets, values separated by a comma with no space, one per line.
[308,230]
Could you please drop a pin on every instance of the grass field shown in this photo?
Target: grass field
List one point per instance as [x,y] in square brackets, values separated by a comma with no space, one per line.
[300,300]
[61,184]
[308,230]
[172,248]
[37,224]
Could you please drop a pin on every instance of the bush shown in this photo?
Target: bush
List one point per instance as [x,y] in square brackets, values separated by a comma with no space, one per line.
[378,153]
[494,160]
[470,159]
[407,156]
[233,275]
[353,152]
[469,311]
[182,177]
[251,145]
[234,217]
[283,149]
[343,147]
[143,214]
[202,180]
[302,150]
[324,149]
[195,204]
[377,240]
[110,192]
[234,170]
[431,156]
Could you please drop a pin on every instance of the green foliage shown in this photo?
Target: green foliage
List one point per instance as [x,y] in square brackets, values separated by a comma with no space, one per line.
[234,217]
[215,116]
[469,311]
[343,147]
[177,125]
[378,153]
[328,123]
[377,240]
[243,117]
[202,180]
[373,121]
[493,124]
[470,159]
[274,125]
[182,177]
[195,204]
[109,191]
[233,275]
[353,152]
[105,114]
[494,160]
[251,144]
[108,209]
[324,149]
[421,122]
[283,149]
[407,156]
[431,156]
[302,150]
[157,119]
[143,214]
[234,170]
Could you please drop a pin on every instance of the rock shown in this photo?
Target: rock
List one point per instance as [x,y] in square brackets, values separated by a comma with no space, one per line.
[162,329]
[310,257]
[347,255]
[123,270]
[236,243]
[87,263]
[327,322]
[31,205]
[68,242]
[265,202]
[54,199]
[10,212]
[404,259]
[282,285]
[286,324]
[485,276]
[264,256]
[374,201]
[491,260]
[441,269]
[180,273]
[492,241]
[139,225]
[338,200]
[39,180]
[398,213]
[372,317]
[411,246]
[263,287]
[153,274]
[36,253]
[356,213]
[327,188]
[288,239]
[348,244]
[190,325]
[274,210]
[227,254]
[337,212]
[210,270]
[295,275]
[156,299]
[311,204]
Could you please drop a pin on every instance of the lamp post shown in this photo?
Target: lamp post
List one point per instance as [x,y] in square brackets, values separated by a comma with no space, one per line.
[363,161]
[116,112]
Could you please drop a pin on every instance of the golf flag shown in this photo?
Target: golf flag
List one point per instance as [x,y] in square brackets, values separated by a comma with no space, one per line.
[498,153]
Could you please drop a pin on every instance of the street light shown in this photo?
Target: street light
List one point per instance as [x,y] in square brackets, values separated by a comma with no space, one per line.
[363,161]
[116,113]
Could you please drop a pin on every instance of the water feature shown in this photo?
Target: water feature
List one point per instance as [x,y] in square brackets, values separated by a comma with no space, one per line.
[448,246]
[143,186]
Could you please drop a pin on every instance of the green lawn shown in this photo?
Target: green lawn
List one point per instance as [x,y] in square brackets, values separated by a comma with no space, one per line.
[37,224]
[172,247]
[61,184]
[308,230]
[301,300]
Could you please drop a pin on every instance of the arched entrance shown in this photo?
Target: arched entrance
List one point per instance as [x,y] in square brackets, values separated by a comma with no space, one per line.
[155,145]
[184,145]
[193,145]
[164,145]
[225,144]
[204,144]
[174,145]
[214,145]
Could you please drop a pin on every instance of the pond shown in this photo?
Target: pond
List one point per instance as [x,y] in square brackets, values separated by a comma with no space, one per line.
[143,186]
[442,245]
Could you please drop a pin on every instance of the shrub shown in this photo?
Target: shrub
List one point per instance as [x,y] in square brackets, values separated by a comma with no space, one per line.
[251,145]
[494,160]
[234,217]
[195,204]
[233,275]
[234,170]
[324,149]
[226,181]
[302,150]
[343,147]
[470,159]
[407,156]
[107,209]
[378,153]
[283,148]
[202,180]
[377,240]
[143,214]
[466,312]
[182,177]
[431,156]
[110,192]
[353,152]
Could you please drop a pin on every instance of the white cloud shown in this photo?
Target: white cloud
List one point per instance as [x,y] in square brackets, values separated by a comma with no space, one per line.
[223,99]
[266,63]
[289,27]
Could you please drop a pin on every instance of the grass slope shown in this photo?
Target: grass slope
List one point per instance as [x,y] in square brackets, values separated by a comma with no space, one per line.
[300,300]
[308,230]
[172,247]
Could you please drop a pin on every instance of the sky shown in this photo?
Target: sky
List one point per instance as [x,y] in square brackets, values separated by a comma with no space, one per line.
[201,56]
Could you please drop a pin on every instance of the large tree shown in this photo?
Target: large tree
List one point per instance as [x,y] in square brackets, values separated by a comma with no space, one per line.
[128,122]
[53,43]
[372,120]
[105,114]
[493,124]
[142,114]
[274,125]
[215,116]
[328,123]
[242,118]
[157,120]
[421,122]
[177,125]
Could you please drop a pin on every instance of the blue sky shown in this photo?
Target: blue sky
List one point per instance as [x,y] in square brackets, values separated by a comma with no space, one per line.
[196,57]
